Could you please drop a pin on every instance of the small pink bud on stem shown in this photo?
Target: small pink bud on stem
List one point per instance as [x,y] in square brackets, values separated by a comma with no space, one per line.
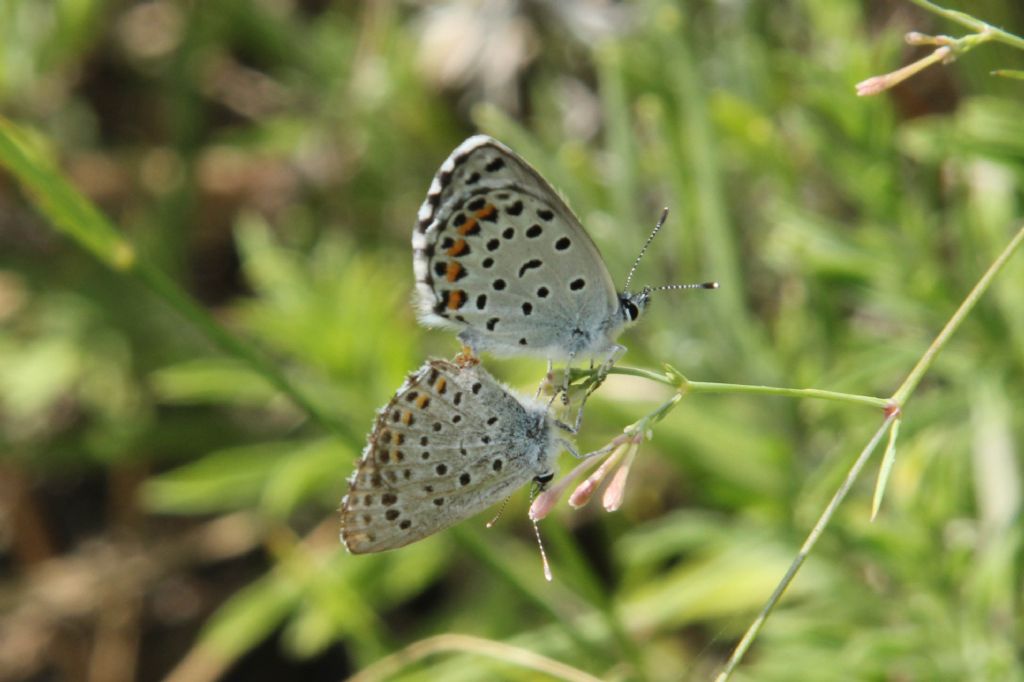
[583,493]
[547,500]
[878,84]
[616,490]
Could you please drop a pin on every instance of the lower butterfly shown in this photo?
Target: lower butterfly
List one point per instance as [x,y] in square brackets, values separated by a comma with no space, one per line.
[449,444]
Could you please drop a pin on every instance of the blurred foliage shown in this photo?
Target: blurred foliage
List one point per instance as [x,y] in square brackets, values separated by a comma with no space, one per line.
[270,156]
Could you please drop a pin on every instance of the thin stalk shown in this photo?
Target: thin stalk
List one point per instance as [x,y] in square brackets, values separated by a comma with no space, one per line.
[655,415]
[688,386]
[973,23]
[899,398]
[814,393]
[893,412]
[805,550]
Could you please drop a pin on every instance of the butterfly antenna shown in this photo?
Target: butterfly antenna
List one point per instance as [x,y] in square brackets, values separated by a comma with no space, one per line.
[501,510]
[543,555]
[650,238]
[534,489]
[701,285]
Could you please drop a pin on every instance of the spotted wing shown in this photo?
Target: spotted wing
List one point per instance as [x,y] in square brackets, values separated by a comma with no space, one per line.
[499,256]
[449,444]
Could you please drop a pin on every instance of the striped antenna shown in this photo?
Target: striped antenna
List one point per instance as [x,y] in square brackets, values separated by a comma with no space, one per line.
[650,238]
[543,555]
[669,287]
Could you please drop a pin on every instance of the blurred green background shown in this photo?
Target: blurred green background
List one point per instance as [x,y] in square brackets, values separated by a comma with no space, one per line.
[164,512]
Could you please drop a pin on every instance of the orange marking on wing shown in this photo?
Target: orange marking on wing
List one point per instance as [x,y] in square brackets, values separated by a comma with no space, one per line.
[407,418]
[422,401]
[467,227]
[465,358]
[486,212]
[440,384]
[458,248]
[453,271]
[456,299]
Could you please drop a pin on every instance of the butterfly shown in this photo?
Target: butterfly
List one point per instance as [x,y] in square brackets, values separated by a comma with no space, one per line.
[450,443]
[499,257]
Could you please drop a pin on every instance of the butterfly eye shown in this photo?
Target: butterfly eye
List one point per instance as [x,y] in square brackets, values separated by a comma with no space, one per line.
[631,310]
[544,479]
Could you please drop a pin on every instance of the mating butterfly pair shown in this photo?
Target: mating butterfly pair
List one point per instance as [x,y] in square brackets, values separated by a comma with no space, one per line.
[499,257]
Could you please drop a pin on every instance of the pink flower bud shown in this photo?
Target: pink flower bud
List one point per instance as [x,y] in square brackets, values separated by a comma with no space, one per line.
[547,499]
[582,494]
[615,491]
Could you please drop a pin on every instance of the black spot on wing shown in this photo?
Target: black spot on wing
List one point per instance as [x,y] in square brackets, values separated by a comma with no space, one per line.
[531,264]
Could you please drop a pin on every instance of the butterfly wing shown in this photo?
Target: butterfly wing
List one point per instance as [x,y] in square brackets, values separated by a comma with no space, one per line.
[499,256]
[449,444]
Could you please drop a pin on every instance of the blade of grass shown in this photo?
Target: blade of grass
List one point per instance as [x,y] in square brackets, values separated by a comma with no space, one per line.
[390,666]
[888,459]
[695,146]
[77,218]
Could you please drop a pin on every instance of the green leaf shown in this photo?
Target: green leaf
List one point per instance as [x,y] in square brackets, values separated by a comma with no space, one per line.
[223,480]
[885,469]
[211,380]
[62,204]
[1009,73]
[306,471]
[250,616]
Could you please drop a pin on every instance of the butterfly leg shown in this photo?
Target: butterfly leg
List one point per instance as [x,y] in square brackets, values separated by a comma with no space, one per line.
[609,362]
[602,373]
[565,443]
[565,379]
[466,357]
[547,380]
[564,390]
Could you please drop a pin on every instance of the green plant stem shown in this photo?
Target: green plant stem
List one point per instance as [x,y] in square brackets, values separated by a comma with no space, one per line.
[902,393]
[973,23]
[688,386]
[655,415]
[895,407]
[805,550]
[817,394]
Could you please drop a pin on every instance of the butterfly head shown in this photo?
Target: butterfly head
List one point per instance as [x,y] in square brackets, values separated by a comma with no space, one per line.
[632,306]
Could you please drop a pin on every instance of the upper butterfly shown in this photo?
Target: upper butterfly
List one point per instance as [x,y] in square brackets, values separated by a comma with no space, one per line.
[500,257]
